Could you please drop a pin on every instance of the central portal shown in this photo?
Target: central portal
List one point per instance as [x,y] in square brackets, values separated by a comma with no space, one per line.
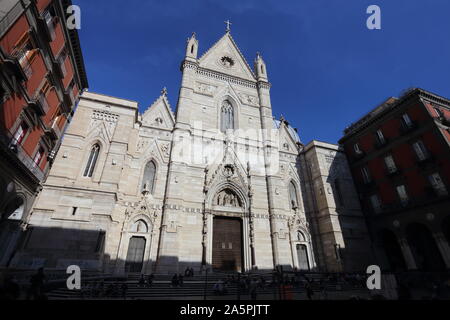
[227,244]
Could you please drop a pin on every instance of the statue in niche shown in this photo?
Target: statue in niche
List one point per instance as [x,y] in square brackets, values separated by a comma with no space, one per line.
[228,171]
[228,198]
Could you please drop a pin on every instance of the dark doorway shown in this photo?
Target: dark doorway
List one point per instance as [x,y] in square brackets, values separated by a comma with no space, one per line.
[302,254]
[424,248]
[135,255]
[393,251]
[227,244]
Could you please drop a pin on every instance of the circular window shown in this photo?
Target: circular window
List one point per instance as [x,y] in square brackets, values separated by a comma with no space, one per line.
[227,62]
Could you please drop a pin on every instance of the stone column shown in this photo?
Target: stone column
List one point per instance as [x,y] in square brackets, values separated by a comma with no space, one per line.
[407,254]
[443,246]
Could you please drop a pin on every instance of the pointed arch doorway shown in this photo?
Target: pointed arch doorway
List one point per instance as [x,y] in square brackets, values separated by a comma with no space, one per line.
[227,251]
[228,243]
[135,254]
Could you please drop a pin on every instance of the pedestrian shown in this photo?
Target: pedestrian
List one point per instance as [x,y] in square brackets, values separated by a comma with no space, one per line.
[124,288]
[150,280]
[180,280]
[142,281]
[175,280]
[36,290]
[309,291]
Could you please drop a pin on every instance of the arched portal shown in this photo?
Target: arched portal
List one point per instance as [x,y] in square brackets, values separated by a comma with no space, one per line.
[301,251]
[228,245]
[135,254]
[392,251]
[423,246]
[137,245]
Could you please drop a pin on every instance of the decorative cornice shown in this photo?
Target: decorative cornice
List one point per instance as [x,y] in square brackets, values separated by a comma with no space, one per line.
[380,111]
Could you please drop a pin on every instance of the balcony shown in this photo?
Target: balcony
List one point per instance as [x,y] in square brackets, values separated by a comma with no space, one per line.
[408,128]
[24,62]
[37,107]
[54,132]
[392,172]
[47,28]
[44,103]
[59,68]
[440,192]
[12,148]
[69,99]
[444,120]
[368,186]
[13,68]
[380,143]
[427,163]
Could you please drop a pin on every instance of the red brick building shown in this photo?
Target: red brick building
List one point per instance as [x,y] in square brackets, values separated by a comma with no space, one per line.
[399,154]
[41,76]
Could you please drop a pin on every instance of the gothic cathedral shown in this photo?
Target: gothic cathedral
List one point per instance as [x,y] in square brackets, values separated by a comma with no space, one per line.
[220,184]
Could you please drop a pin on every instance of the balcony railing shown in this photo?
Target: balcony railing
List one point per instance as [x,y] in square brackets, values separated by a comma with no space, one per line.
[380,143]
[44,103]
[60,61]
[444,120]
[21,56]
[51,28]
[407,128]
[10,12]
[393,171]
[13,147]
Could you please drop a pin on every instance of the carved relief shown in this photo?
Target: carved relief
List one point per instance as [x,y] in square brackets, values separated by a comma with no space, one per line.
[228,198]
[165,148]
[109,120]
[205,89]
[248,99]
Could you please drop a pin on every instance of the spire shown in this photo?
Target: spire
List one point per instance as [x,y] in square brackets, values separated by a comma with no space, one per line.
[228,23]
[260,68]
[164,92]
[192,47]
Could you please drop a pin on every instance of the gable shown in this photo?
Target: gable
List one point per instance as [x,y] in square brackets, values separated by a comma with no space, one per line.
[225,57]
[159,115]
[287,143]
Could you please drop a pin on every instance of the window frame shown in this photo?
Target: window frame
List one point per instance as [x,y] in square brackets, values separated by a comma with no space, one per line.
[91,164]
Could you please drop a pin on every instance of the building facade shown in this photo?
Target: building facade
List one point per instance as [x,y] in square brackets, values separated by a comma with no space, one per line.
[219,185]
[399,155]
[41,77]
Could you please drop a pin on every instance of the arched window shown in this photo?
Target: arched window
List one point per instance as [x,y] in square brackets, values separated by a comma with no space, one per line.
[148,181]
[93,157]
[301,237]
[139,227]
[227,116]
[293,195]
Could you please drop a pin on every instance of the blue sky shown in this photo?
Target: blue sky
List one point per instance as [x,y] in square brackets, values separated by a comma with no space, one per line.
[326,68]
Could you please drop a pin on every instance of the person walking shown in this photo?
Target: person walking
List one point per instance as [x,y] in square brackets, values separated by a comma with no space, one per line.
[180,280]
[142,281]
[36,290]
[150,280]
[309,291]
[175,280]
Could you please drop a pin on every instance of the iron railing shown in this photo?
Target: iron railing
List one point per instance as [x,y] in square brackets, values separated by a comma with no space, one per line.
[12,146]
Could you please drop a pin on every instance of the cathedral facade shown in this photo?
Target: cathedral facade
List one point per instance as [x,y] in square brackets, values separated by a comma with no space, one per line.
[219,184]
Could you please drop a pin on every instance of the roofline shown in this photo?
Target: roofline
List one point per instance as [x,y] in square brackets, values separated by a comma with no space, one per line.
[237,49]
[76,47]
[323,144]
[86,96]
[371,116]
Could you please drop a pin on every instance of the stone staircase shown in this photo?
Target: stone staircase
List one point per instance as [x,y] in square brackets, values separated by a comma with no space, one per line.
[193,288]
